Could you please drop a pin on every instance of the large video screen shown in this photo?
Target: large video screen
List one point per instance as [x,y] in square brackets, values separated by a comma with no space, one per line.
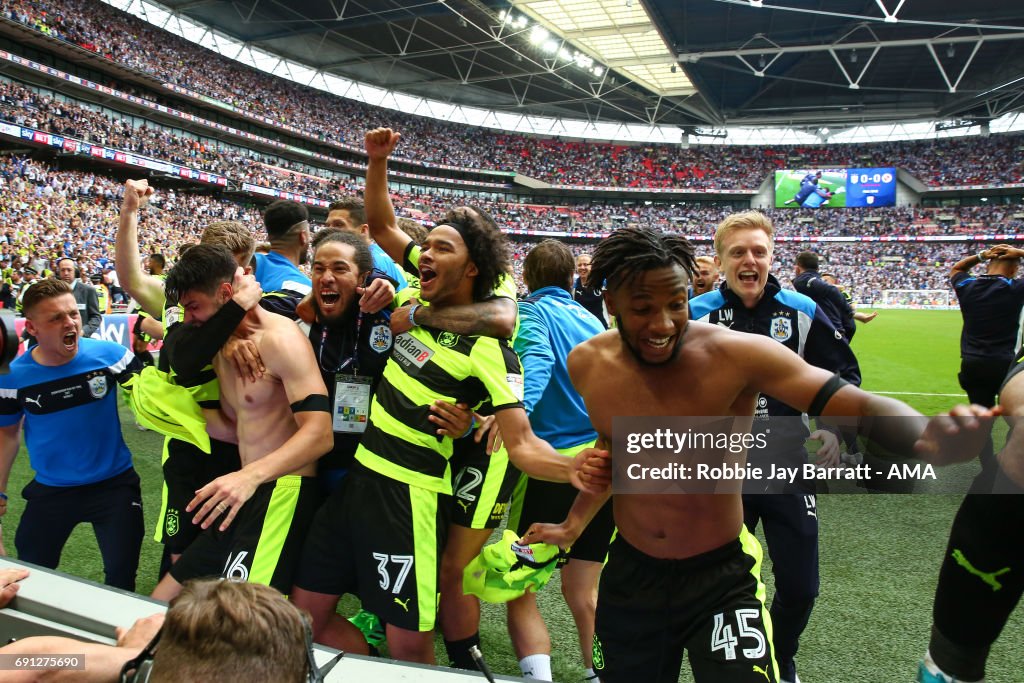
[835,187]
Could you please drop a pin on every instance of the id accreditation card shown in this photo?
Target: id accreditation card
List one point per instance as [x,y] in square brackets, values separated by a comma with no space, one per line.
[351,403]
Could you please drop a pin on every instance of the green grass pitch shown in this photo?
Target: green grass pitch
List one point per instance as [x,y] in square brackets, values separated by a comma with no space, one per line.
[880,554]
[787,184]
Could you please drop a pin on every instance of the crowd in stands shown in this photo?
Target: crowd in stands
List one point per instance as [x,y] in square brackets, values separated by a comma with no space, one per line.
[47,213]
[69,118]
[137,44]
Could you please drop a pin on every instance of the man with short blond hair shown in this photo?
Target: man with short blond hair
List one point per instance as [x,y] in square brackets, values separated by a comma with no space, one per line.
[753,301]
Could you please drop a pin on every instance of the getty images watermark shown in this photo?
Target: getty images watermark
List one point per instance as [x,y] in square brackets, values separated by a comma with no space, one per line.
[772,455]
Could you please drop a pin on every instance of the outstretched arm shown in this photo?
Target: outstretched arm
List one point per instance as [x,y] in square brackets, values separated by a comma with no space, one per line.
[146,289]
[380,213]
[1011,458]
[589,470]
[103,663]
[891,425]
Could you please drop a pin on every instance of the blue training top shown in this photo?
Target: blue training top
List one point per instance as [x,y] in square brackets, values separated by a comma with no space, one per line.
[274,272]
[385,264]
[551,325]
[72,429]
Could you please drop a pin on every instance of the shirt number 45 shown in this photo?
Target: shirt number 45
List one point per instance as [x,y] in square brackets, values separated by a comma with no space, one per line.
[404,563]
[722,637]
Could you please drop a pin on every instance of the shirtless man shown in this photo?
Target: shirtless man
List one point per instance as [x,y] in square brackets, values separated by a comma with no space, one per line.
[684,573]
[283,427]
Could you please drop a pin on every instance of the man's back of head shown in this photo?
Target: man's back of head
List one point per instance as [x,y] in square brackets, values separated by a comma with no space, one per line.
[228,631]
[807,260]
[233,235]
[1005,267]
[549,264]
[285,219]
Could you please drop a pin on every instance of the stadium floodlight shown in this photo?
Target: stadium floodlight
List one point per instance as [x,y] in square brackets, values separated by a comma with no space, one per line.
[538,34]
[521,21]
[563,53]
[550,46]
[598,70]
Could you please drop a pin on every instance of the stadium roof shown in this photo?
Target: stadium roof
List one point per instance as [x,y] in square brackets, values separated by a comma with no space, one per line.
[699,64]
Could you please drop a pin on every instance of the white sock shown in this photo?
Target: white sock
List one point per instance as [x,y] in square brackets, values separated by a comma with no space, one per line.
[933,668]
[536,666]
[589,675]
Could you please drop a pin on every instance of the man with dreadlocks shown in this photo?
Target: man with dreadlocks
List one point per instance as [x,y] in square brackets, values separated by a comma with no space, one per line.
[684,573]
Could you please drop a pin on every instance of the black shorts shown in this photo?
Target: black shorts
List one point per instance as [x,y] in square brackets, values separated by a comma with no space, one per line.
[186,470]
[544,501]
[263,543]
[381,540]
[482,484]
[649,611]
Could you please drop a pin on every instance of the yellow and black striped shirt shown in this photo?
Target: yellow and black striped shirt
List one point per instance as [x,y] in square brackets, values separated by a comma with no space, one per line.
[426,365]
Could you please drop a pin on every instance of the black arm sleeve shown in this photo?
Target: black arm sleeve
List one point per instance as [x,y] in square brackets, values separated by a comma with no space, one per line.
[191,348]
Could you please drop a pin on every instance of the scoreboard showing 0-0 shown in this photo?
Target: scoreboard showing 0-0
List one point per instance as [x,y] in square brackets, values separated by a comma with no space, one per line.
[813,188]
[871,187]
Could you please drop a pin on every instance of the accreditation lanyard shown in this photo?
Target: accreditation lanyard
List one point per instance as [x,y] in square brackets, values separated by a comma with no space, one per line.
[351,392]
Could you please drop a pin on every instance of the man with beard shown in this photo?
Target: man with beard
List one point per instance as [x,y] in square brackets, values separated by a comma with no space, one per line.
[683,574]
[352,348]
[287,224]
[187,355]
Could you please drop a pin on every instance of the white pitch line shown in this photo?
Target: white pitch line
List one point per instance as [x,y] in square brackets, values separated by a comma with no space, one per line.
[914,393]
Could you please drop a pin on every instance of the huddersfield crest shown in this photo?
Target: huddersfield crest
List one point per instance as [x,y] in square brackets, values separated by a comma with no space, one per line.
[448,339]
[380,338]
[171,525]
[98,386]
[781,329]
